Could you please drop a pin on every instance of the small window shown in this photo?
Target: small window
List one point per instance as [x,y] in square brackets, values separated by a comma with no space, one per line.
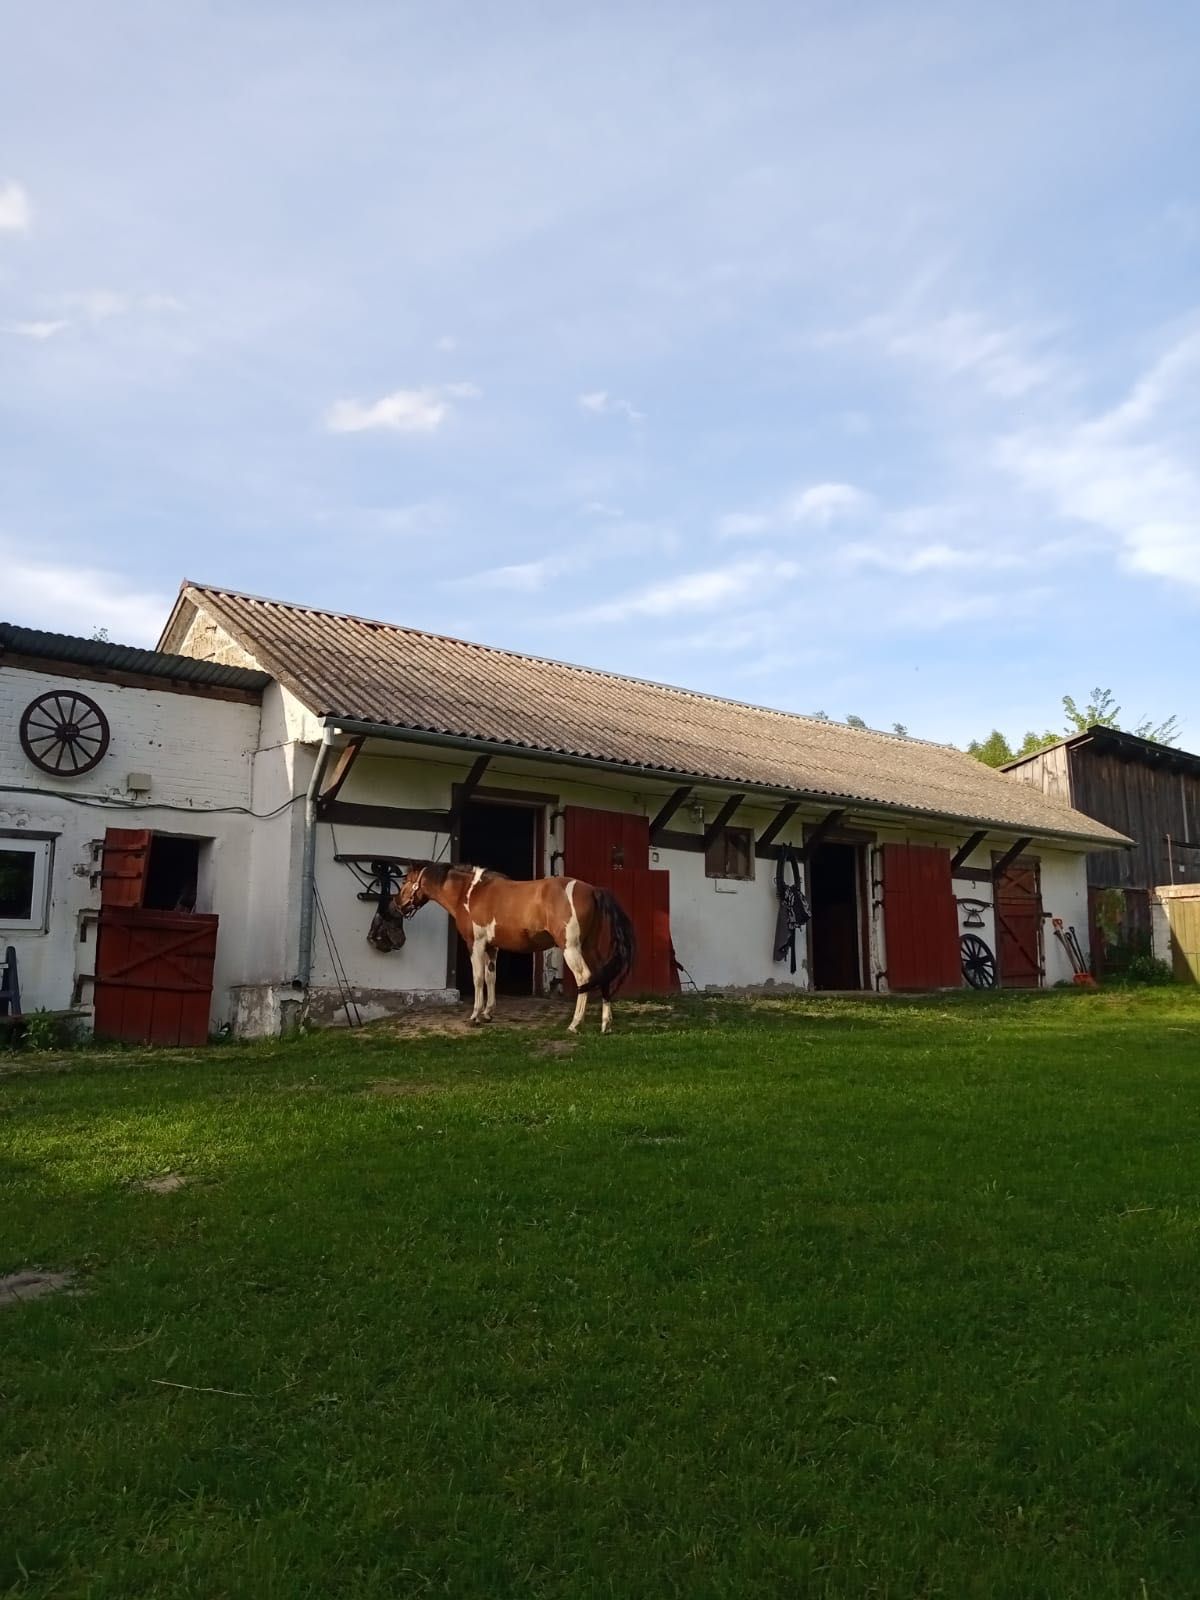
[173,873]
[731,855]
[24,882]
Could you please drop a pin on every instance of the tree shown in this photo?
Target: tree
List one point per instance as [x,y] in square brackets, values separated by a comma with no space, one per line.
[1100,711]
[855,722]
[899,728]
[993,751]
[99,634]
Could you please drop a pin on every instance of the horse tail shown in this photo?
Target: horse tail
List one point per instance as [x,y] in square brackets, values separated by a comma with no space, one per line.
[619,963]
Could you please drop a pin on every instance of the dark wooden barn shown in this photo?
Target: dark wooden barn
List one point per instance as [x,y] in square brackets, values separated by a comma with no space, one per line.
[1148,791]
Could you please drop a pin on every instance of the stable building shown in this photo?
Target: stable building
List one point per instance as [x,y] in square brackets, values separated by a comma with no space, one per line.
[338,749]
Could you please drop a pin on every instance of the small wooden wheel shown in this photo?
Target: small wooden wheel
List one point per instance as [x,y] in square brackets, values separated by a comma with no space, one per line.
[64,733]
[978,962]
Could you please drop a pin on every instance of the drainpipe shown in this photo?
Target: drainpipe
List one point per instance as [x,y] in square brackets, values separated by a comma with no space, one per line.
[308,872]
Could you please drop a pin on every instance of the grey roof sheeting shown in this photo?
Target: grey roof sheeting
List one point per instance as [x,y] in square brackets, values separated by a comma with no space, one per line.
[100,653]
[391,676]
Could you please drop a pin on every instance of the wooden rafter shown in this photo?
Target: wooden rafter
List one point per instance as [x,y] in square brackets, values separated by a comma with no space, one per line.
[337,778]
[668,809]
[965,851]
[821,832]
[470,783]
[777,824]
[1009,856]
[722,817]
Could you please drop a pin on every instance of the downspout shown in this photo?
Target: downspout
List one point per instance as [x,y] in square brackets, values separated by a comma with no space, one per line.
[308,872]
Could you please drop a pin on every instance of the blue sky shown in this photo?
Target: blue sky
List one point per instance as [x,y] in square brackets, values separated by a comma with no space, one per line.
[823,356]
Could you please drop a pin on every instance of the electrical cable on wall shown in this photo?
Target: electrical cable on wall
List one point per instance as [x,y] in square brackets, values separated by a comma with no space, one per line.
[114,802]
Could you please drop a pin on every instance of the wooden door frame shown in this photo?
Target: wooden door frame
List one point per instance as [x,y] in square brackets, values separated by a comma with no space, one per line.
[517,800]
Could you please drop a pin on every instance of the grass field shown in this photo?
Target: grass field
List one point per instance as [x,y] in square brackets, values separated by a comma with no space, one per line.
[750,1299]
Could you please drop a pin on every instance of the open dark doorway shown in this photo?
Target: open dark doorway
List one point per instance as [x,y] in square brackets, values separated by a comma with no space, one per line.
[504,839]
[834,942]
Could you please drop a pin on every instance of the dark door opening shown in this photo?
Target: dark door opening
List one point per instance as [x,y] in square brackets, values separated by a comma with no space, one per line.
[504,839]
[834,946]
[172,873]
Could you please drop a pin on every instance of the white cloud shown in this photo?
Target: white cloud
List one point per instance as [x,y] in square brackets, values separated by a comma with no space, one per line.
[1128,472]
[820,505]
[737,524]
[36,330]
[965,343]
[521,577]
[98,304]
[16,214]
[402,411]
[69,598]
[692,591]
[602,404]
[824,503]
[446,343]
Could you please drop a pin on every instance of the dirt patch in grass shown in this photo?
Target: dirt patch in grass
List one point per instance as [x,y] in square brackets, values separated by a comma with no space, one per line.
[556,1047]
[32,1284]
[164,1183]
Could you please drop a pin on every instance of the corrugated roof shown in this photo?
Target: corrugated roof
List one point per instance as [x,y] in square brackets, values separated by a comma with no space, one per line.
[66,647]
[377,672]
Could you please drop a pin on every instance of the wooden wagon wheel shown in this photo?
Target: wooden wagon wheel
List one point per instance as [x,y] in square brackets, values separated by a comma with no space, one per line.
[978,962]
[64,733]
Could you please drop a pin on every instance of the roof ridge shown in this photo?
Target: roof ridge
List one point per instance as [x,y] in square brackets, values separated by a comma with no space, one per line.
[907,740]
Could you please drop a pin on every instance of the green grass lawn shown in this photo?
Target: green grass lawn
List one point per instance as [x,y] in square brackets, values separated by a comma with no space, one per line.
[750,1299]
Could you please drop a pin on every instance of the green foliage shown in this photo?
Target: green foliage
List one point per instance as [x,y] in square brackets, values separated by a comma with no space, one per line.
[1110,915]
[855,722]
[899,728]
[993,751]
[1100,711]
[1148,969]
[771,1298]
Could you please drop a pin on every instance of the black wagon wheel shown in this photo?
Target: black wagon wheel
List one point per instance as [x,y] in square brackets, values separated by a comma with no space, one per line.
[978,962]
[64,733]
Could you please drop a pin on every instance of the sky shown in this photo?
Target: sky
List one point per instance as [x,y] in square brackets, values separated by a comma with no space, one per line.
[829,357]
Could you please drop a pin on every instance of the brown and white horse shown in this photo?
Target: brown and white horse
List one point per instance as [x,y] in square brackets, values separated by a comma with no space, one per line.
[492,912]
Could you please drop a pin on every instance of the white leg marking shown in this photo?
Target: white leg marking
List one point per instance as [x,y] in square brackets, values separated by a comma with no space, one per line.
[573,956]
[483,970]
[606,1016]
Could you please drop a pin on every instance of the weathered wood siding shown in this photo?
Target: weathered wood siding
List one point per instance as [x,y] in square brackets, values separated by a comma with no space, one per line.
[1049,771]
[1147,803]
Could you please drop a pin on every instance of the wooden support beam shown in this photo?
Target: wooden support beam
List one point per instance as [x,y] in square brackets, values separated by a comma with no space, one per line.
[337,778]
[722,817]
[668,809]
[470,783]
[822,831]
[776,826]
[968,849]
[1009,856]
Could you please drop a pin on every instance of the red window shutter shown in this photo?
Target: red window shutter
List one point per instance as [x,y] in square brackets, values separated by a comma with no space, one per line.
[123,866]
[920,918]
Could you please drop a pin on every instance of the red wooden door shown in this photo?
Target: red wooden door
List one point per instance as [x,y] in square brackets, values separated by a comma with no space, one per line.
[612,850]
[154,976]
[124,865]
[920,918]
[1019,926]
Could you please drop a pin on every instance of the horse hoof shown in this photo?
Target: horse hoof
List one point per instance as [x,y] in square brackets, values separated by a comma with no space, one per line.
[474,1022]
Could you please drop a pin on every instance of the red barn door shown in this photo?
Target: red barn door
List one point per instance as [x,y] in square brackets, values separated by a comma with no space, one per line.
[1019,925]
[920,918]
[612,850]
[154,969]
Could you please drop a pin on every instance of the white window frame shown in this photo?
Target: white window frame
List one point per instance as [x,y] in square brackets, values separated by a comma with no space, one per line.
[40,850]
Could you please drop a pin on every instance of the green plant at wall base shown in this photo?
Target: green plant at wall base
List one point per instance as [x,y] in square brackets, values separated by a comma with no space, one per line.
[42,1031]
[1110,915]
[1148,969]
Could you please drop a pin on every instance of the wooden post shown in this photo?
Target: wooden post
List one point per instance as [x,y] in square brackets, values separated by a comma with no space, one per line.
[1009,856]
[968,849]
[820,832]
[722,817]
[337,778]
[669,807]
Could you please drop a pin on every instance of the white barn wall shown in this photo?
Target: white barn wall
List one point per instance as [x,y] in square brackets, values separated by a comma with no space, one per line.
[198,751]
